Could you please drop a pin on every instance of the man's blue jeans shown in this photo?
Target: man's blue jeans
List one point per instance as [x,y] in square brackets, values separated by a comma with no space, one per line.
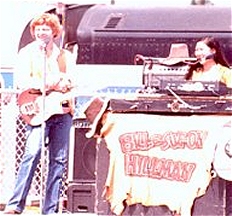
[57,131]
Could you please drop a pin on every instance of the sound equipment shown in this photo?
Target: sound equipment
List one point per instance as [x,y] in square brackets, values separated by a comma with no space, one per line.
[153,75]
[158,103]
[191,88]
[81,197]
[83,155]
[82,170]
[170,79]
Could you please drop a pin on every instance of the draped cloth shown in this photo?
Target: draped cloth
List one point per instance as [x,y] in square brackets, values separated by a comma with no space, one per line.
[160,160]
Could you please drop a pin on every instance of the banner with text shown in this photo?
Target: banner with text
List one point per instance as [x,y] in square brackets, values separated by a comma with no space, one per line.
[161,160]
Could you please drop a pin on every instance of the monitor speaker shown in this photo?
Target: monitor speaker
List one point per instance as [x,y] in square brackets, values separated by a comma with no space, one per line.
[81,197]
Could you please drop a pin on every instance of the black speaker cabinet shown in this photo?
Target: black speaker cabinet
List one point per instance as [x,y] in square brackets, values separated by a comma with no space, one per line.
[82,156]
[81,197]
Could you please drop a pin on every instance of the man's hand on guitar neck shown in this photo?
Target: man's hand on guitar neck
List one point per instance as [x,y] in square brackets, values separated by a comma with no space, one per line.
[58,82]
[54,82]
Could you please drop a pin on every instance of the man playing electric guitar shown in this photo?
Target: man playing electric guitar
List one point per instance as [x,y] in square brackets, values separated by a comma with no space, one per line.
[35,109]
[44,75]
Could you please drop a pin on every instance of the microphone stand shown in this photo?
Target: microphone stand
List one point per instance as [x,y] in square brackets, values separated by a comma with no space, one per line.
[43,126]
[60,10]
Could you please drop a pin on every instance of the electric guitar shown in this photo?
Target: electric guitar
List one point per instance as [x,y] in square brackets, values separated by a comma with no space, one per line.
[35,108]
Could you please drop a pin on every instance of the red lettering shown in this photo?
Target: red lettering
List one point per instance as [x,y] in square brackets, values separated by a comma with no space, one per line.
[134,141]
[158,168]
[127,142]
[156,140]
[172,140]
[142,141]
[196,139]
[186,171]
[167,166]
[131,164]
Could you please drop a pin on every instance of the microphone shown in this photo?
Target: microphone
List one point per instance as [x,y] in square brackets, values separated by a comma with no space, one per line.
[206,57]
[44,42]
[210,56]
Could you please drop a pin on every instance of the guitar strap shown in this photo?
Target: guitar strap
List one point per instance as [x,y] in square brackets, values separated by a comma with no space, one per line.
[61,59]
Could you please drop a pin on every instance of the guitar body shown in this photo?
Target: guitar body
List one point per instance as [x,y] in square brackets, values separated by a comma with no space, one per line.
[35,109]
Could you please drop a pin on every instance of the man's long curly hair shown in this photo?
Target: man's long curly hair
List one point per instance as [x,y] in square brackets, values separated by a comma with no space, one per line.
[49,19]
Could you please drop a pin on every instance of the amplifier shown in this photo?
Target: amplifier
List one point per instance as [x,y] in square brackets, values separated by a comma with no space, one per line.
[172,105]
[191,88]
[154,75]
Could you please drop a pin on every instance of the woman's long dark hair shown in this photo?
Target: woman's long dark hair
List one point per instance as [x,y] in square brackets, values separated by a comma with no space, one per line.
[219,57]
